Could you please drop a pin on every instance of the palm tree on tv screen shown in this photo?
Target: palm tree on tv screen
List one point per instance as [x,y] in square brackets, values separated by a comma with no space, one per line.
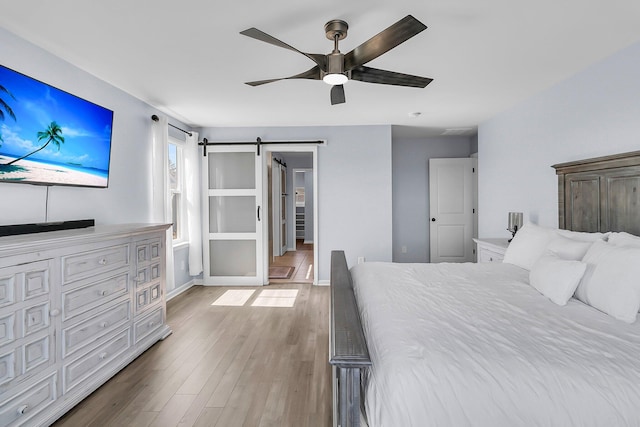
[52,134]
[4,106]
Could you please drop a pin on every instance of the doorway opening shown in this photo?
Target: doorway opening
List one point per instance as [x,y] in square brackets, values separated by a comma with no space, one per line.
[292,226]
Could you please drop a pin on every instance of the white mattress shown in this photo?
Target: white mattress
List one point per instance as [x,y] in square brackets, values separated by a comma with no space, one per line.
[475,344]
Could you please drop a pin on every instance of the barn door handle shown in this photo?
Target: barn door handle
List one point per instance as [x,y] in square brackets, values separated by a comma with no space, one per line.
[258,213]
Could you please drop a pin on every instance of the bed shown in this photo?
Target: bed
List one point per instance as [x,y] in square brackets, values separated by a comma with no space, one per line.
[493,344]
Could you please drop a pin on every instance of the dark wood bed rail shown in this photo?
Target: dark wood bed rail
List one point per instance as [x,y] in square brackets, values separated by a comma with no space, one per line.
[348,353]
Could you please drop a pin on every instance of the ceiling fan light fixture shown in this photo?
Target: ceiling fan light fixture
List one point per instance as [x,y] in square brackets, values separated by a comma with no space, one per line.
[335,79]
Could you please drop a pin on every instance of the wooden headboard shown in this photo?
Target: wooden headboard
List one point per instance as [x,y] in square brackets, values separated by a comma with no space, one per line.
[600,194]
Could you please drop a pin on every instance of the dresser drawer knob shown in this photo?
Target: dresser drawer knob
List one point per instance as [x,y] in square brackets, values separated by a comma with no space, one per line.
[104,324]
[103,293]
[55,312]
[102,356]
[103,261]
[152,323]
[23,409]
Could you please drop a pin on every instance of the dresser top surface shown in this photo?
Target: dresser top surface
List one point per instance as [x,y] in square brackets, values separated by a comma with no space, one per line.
[33,241]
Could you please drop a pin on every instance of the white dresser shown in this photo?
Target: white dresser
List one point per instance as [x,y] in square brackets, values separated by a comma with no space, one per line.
[491,250]
[76,306]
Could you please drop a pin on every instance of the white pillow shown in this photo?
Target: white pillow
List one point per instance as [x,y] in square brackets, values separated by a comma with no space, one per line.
[583,236]
[624,239]
[556,278]
[568,248]
[528,245]
[612,280]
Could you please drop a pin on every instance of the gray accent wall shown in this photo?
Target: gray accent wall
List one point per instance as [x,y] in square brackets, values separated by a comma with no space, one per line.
[594,113]
[411,191]
[474,143]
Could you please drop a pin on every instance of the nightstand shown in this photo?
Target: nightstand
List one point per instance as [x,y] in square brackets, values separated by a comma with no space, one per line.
[491,250]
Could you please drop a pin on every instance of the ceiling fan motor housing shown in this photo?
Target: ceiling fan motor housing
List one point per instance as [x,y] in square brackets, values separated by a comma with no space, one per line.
[335,63]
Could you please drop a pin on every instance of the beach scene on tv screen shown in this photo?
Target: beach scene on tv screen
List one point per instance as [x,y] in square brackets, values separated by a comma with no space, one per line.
[48,136]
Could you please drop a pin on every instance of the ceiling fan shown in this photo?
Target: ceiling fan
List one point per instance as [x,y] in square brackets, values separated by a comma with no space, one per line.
[336,68]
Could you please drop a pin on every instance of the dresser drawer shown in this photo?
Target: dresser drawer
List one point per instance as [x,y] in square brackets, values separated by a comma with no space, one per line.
[36,281]
[92,263]
[147,325]
[8,367]
[155,293]
[37,353]
[7,328]
[7,288]
[36,318]
[23,362]
[83,368]
[491,249]
[19,409]
[148,251]
[24,282]
[92,329]
[142,299]
[92,295]
[147,274]
[25,359]
[487,255]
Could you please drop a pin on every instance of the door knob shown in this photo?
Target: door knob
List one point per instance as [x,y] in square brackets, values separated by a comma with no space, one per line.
[433,220]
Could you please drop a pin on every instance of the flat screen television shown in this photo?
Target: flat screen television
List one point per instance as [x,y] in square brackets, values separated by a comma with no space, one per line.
[51,137]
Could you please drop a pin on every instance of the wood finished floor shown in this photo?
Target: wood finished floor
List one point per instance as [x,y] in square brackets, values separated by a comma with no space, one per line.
[301,259]
[224,367]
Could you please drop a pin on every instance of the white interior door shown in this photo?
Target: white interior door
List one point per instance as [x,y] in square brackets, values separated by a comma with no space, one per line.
[451,209]
[275,208]
[283,209]
[232,216]
[279,211]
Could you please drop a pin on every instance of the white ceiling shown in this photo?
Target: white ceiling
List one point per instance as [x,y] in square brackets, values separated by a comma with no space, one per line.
[188,59]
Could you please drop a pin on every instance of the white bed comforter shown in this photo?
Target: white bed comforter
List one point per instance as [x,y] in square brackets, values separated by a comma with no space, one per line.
[475,344]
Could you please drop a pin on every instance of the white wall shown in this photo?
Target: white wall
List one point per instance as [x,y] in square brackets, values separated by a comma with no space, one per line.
[594,113]
[411,191]
[354,186]
[128,197]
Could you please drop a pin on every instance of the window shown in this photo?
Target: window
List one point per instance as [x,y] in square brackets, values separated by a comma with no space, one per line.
[176,193]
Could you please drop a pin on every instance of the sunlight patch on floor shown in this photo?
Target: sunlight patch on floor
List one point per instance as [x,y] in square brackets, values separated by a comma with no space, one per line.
[276,298]
[234,297]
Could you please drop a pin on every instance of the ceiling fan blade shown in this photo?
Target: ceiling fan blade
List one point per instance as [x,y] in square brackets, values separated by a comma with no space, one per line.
[312,74]
[383,42]
[375,75]
[262,36]
[337,95]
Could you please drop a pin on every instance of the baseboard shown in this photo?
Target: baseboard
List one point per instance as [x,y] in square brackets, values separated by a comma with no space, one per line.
[308,242]
[324,283]
[177,291]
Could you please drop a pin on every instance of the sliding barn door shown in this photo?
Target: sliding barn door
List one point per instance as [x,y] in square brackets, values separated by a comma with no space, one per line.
[233,215]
